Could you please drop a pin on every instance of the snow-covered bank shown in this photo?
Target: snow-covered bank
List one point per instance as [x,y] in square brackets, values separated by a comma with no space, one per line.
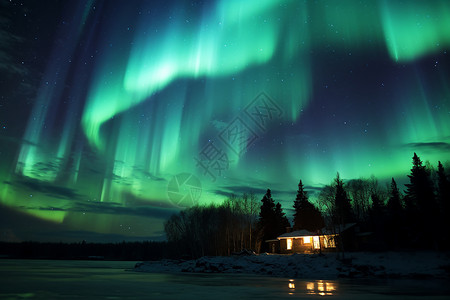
[327,266]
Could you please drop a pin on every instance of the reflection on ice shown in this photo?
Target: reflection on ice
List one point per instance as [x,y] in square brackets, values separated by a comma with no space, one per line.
[291,284]
[318,287]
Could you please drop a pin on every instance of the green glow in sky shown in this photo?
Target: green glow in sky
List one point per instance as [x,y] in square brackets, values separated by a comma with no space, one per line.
[416,28]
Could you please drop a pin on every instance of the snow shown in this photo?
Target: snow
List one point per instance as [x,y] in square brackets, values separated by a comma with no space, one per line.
[314,266]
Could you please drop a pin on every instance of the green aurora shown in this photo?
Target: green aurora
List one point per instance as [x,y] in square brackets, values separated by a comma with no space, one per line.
[240,95]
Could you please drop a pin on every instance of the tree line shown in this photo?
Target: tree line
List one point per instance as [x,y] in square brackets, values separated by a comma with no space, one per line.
[132,251]
[415,218]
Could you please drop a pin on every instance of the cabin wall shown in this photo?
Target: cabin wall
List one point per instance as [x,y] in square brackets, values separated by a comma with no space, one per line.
[274,247]
[297,246]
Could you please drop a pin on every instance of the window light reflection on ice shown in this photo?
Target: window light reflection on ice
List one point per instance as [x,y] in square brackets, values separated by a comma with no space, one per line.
[318,287]
[322,288]
[291,284]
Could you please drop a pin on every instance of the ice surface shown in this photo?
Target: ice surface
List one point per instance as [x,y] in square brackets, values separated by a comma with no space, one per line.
[324,266]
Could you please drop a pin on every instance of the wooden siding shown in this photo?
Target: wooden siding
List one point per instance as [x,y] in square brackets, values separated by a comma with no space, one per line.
[298,246]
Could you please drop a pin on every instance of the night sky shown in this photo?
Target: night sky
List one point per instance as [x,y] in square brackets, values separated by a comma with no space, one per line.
[116,114]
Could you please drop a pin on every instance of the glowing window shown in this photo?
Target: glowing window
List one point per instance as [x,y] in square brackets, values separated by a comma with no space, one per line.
[329,242]
[306,240]
[316,241]
[289,244]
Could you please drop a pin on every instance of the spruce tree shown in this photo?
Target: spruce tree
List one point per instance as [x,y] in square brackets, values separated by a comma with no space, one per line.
[443,196]
[443,191]
[306,215]
[419,192]
[299,203]
[420,199]
[377,204]
[377,214]
[267,208]
[267,223]
[394,203]
[377,211]
[343,208]
[281,219]
[394,216]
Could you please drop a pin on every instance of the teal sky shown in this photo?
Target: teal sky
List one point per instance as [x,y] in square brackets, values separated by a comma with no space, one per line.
[114,115]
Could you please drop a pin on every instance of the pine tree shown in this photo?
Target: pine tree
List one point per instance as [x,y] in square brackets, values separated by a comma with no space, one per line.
[377,214]
[443,196]
[394,216]
[267,224]
[421,206]
[377,211]
[394,203]
[299,202]
[419,192]
[306,215]
[267,207]
[281,219]
[343,208]
[443,191]
[377,204]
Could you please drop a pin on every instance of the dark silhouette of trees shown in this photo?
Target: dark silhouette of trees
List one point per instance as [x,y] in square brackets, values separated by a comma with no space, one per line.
[214,230]
[395,217]
[272,221]
[266,221]
[306,215]
[281,220]
[420,202]
[443,197]
[326,203]
[376,222]
[145,250]
[443,190]
[343,209]
[378,207]
[418,219]
[360,190]
[394,204]
[419,192]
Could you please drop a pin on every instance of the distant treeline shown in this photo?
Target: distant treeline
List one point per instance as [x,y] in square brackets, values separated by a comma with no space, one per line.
[386,217]
[88,251]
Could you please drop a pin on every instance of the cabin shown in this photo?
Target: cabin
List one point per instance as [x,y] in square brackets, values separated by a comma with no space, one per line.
[304,241]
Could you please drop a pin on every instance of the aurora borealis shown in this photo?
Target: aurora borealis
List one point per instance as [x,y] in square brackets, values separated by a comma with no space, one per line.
[103,103]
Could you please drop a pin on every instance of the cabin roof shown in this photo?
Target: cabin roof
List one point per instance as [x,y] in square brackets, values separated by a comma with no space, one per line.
[324,231]
[297,233]
[272,240]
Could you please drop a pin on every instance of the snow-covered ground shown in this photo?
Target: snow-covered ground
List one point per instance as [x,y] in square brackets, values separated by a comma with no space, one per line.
[311,266]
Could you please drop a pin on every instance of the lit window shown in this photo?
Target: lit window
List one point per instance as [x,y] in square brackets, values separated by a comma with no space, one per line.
[316,241]
[329,242]
[289,244]
[306,240]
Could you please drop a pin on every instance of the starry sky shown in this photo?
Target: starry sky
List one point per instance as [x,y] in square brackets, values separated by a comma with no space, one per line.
[116,114]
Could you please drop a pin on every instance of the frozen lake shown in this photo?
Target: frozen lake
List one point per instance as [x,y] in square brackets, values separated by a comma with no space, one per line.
[45,279]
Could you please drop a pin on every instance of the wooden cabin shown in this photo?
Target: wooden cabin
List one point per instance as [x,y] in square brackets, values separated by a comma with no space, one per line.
[304,241]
